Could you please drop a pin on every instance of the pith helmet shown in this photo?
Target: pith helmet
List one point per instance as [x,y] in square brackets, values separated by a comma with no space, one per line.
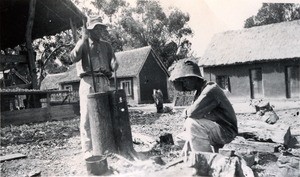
[185,68]
[93,21]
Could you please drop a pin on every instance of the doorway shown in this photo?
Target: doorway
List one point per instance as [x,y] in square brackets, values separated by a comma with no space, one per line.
[292,81]
[256,85]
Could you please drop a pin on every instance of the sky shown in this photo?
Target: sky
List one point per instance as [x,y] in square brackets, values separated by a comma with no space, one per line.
[208,17]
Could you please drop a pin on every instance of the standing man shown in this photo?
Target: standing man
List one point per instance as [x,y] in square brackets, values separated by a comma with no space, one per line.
[210,120]
[103,62]
[158,100]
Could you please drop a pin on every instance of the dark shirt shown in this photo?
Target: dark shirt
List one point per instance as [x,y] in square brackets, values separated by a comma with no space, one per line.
[211,103]
[101,54]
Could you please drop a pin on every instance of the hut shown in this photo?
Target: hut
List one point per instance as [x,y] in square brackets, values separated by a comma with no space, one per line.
[256,63]
[140,71]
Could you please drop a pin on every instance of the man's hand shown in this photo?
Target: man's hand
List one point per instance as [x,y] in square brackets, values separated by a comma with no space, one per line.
[85,33]
[114,64]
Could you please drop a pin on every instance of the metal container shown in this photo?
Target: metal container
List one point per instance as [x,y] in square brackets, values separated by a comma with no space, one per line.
[96,165]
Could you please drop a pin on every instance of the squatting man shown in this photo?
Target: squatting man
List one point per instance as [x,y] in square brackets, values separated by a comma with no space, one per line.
[210,122]
[104,63]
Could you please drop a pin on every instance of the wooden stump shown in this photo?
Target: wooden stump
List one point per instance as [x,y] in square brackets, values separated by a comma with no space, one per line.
[100,123]
[121,123]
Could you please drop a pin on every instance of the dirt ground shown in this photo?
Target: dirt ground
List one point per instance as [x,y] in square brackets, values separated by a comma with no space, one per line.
[53,148]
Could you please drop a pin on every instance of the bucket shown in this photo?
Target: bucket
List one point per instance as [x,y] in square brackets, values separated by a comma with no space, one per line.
[96,165]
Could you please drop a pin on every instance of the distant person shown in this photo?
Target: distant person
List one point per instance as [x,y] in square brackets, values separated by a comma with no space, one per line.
[158,100]
[104,63]
[210,120]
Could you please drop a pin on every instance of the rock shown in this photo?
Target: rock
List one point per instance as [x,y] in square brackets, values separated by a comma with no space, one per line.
[217,165]
[34,173]
[241,144]
[249,157]
[226,152]
[261,131]
[158,160]
[139,138]
[230,167]
[201,162]
[262,105]
[289,166]
[296,141]
[265,112]
[270,117]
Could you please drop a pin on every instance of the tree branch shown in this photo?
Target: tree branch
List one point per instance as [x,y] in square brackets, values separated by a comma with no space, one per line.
[46,61]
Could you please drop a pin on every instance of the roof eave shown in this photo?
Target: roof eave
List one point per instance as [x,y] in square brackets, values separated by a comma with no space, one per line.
[249,62]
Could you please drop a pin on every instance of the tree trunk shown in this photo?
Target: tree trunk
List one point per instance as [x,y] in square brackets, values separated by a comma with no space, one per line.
[100,123]
[121,123]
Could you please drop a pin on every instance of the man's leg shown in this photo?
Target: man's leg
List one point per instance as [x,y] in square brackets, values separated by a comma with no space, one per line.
[203,133]
[85,133]
[197,136]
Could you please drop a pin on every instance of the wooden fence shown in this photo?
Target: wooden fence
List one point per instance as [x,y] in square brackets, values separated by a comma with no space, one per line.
[55,105]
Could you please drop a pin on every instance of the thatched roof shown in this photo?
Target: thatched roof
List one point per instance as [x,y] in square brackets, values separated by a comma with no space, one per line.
[52,81]
[51,17]
[269,42]
[132,61]
[130,65]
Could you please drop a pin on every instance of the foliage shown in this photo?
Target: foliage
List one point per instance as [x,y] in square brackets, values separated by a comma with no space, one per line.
[109,7]
[154,27]
[177,24]
[274,13]
[130,27]
[109,11]
[168,53]
[145,24]
[52,53]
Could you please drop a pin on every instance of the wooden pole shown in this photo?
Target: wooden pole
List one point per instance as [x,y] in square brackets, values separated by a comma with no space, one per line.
[74,31]
[28,36]
[89,58]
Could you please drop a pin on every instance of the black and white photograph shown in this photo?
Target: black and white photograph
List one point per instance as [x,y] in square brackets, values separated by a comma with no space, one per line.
[150,88]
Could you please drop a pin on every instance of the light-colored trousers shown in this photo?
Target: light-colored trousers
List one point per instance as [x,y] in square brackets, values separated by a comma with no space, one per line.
[86,87]
[202,134]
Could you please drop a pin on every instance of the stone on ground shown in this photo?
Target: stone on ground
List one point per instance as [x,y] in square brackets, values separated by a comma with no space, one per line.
[289,166]
[261,131]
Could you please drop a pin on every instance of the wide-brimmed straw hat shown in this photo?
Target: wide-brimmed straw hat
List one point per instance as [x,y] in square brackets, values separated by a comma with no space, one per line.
[185,68]
[93,21]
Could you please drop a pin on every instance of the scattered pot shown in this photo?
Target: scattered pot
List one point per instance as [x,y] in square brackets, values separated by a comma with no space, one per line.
[96,165]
